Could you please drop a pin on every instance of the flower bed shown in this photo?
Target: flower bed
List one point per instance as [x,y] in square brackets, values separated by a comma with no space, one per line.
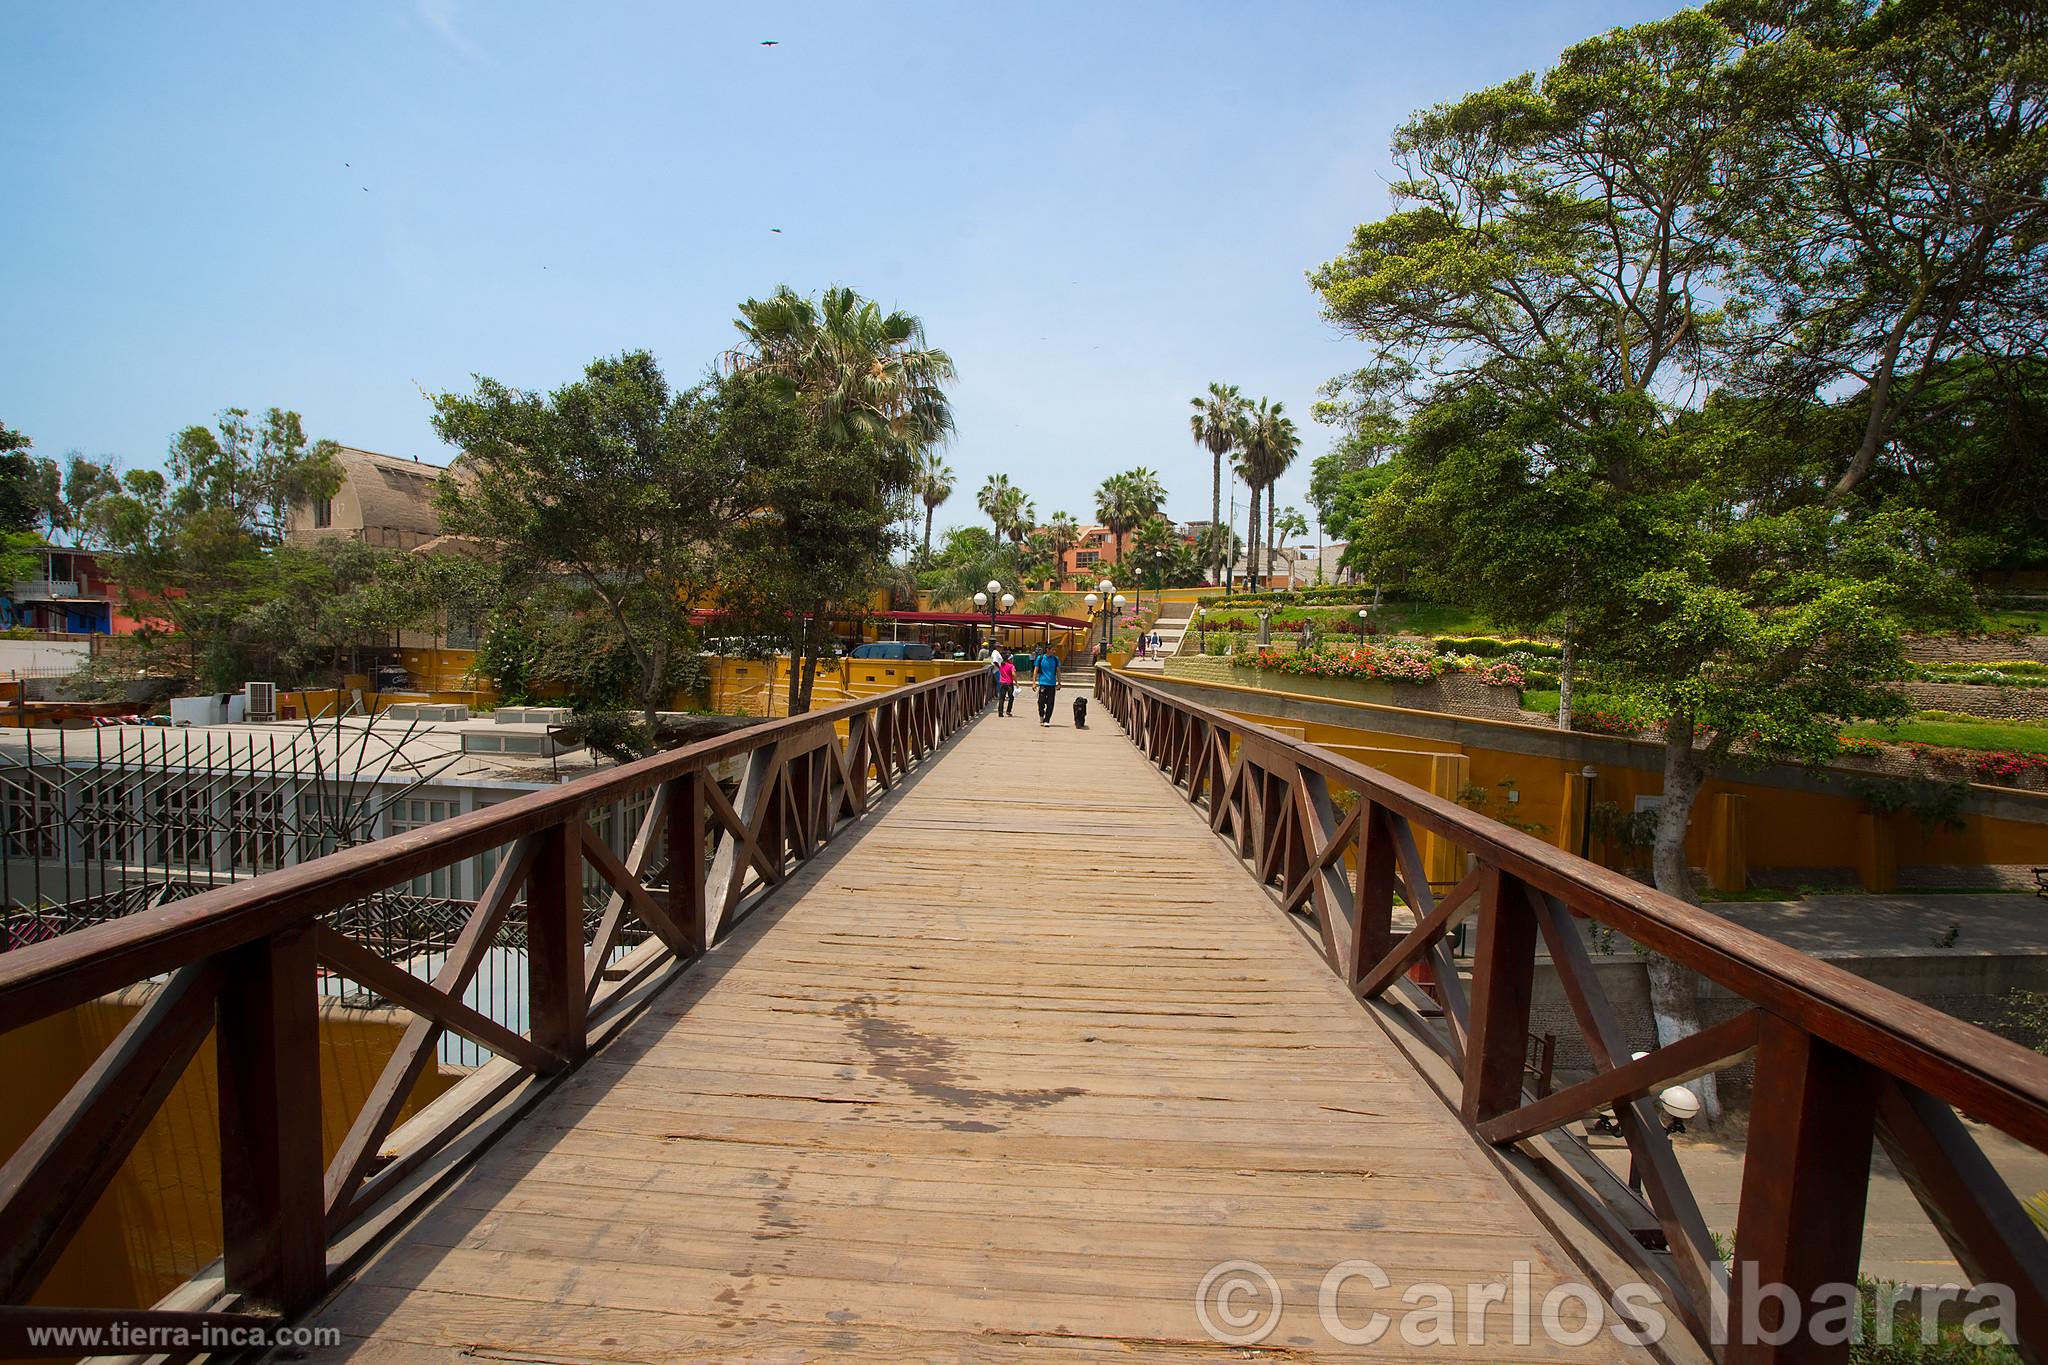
[1380,663]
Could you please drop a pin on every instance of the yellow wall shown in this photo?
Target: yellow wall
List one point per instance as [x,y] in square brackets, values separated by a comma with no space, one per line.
[760,687]
[1762,826]
[160,1221]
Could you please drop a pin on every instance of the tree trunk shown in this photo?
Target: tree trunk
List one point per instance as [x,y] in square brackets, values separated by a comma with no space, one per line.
[1251,544]
[1219,544]
[1565,668]
[798,628]
[1674,989]
[1268,524]
[651,688]
[924,560]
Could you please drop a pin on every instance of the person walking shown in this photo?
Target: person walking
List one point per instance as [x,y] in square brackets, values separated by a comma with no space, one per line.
[1048,685]
[1006,688]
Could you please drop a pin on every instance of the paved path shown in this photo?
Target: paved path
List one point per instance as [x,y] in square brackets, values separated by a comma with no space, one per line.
[1003,1078]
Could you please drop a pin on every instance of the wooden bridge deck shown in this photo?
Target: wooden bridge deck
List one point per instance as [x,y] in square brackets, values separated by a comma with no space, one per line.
[1001,1077]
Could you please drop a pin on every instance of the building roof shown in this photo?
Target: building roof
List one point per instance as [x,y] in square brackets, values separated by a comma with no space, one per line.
[394,493]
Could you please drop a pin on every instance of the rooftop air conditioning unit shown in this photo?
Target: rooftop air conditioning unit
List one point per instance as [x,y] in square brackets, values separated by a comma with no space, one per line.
[261,701]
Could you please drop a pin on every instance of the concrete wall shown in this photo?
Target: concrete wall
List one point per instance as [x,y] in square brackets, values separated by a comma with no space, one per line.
[43,656]
[1781,817]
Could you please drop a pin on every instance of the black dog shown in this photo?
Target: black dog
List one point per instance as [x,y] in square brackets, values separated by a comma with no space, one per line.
[1081,712]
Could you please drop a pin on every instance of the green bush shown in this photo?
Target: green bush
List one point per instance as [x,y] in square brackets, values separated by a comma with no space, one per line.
[1492,646]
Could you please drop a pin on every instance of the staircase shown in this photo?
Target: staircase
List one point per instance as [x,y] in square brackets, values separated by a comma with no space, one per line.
[1171,626]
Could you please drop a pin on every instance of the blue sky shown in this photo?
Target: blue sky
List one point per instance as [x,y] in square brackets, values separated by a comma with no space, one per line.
[1097,208]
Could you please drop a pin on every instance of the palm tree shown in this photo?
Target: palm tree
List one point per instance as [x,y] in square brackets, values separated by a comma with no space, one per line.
[934,486]
[858,372]
[1286,446]
[997,500]
[1218,424]
[1064,533]
[1125,500]
[1268,431]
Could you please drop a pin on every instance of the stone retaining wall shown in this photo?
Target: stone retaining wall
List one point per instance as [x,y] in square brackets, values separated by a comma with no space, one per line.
[1975,649]
[1998,703]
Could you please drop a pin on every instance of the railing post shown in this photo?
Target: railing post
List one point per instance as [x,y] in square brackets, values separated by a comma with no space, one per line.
[686,894]
[1805,1180]
[1372,898]
[1503,974]
[554,942]
[267,1046]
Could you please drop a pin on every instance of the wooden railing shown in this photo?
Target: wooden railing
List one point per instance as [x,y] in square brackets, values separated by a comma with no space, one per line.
[1838,1061]
[241,963]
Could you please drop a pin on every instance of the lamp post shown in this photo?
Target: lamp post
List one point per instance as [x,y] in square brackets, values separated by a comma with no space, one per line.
[993,600]
[1364,615]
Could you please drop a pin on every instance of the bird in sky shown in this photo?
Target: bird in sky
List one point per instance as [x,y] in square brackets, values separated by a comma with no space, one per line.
[770,42]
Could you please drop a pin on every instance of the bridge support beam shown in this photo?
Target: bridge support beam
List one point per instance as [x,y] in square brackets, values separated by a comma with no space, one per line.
[1503,978]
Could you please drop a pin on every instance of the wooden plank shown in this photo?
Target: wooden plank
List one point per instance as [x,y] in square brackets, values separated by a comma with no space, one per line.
[556,1006]
[1710,1049]
[273,1209]
[401,987]
[929,1091]
[1504,970]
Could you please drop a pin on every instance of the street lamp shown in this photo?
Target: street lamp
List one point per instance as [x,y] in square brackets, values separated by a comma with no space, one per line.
[992,602]
[1364,614]
[1202,627]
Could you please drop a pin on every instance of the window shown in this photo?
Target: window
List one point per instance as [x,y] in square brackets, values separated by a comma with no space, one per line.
[417,813]
[256,828]
[1083,558]
[34,814]
[323,512]
[183,820]
[104,822]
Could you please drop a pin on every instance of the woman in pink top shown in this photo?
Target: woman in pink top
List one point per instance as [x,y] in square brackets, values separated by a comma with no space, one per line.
[1006,689]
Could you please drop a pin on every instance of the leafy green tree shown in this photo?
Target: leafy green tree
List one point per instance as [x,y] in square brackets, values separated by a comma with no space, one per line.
[17,481]
[819,533]
[195,544]
[1218,426]
[1574,262]
[610,483]
[336,596]
[1897,217]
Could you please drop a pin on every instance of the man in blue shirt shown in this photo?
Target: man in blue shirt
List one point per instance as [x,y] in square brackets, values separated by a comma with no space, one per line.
[1048,678]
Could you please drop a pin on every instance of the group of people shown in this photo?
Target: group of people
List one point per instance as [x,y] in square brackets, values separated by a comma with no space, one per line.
[1044,670]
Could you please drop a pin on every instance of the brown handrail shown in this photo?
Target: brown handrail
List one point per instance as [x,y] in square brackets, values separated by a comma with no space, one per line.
[1839,1060]
[243,962]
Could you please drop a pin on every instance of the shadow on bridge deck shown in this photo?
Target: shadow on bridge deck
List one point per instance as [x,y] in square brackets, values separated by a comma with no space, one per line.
[1001,1077]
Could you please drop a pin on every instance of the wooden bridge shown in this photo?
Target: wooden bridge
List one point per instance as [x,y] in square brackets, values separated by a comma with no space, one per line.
[963,1038]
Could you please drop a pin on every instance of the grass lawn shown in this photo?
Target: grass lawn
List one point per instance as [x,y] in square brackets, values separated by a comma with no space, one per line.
[2005,622]
[1430,618]
[1960,734]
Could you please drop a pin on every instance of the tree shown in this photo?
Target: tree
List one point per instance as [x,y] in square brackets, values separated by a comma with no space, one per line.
[1125,500]
[859,375]
[1062,533]
[934,486]
[819,535]
[611,483]
[1578,262]
[1290,523]
[64,497]
[336,595]
[17,481]
[1898,219]
[1268,447]
[195,544]
[1218,425]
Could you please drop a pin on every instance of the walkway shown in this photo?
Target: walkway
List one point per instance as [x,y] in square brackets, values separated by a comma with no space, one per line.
[1003,1079]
